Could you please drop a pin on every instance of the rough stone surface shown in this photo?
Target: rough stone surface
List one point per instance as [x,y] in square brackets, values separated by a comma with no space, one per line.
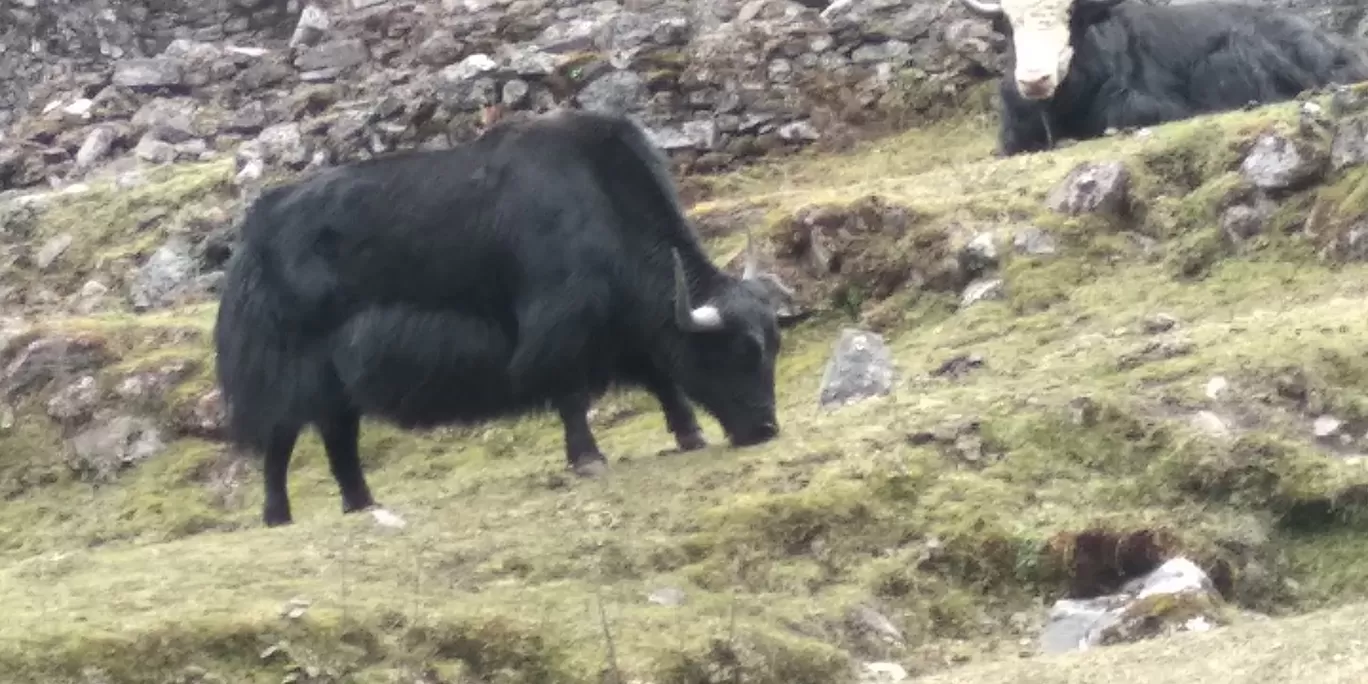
[1033,241]
[1350,145]
[984,289]
[167,273]
[1277,162]
[49,358]
[1093,188]
[1241,222]
[102,451]
[717,83]
[861,367]
[1176,596]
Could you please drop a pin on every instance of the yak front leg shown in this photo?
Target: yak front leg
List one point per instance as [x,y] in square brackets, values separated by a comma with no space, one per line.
[582,453]
[679,415]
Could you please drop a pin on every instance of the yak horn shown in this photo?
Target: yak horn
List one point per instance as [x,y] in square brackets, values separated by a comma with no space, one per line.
[752,268]
[688,318]
[983,8]
[1101,4]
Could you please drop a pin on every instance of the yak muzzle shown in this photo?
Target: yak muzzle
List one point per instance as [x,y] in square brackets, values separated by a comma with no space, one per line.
[1036,86]
[755,434]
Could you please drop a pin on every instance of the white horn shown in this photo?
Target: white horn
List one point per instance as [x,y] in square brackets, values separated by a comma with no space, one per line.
[983,8]
[689,319]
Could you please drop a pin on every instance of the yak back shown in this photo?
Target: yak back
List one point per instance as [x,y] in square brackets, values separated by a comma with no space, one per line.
[352,284]
[468,229]
[1139,64]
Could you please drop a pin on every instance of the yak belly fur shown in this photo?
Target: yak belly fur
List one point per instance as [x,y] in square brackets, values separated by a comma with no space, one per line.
[420,369]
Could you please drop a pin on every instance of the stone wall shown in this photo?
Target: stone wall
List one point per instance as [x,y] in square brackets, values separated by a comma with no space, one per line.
[108,84]
[715,81]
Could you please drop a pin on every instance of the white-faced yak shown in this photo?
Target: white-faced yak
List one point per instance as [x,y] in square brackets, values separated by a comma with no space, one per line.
[1079,67]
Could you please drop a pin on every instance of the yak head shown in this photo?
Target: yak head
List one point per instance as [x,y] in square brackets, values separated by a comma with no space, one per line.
[1041,37]
[731,344]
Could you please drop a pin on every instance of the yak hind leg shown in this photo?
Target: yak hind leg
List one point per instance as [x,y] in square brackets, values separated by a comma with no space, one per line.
[582,453]
[340,431]
[279,448]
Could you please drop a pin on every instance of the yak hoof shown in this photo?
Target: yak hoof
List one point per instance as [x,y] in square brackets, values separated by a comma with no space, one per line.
[685,443]
[691,442]
[590,468]
[277,521]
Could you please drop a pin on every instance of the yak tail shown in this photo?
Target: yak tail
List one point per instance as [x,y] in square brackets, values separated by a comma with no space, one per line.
[273,374]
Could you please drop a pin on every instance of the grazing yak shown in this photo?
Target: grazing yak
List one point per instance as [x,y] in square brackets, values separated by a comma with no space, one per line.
[1079,67]
[531,268]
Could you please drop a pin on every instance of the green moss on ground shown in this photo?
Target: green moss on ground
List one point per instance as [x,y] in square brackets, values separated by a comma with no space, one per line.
[1067,462]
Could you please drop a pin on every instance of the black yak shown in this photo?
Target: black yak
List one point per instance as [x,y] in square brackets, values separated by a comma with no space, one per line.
[1079,67]
[533,267]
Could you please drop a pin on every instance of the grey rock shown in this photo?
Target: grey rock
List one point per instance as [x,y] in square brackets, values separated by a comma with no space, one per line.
[1326,427]
[883,673]
[1078,624]
[440,49]
[700,135]
[1277,162]
[1210,424]
[250,118]
[76,401]
[163,276]
[281,143]
[51,250]
[615,92]
[983,289]
[169,119]
[1241,222]
[334,54]
[980,254]
[101,452]
[1216,387]
[97,144]
[1033,241]
[667,596]
[152,150]
[314,22]
[1158,323]
[1072,624]
[530,63]
[148,385]
[469,68]
[799,130]
[890,51]
[514,92]
[861,367]
[1346,101]
[871,621]
[48,358]
[1093,188]
[1350,145]
[209,417]
[149,72]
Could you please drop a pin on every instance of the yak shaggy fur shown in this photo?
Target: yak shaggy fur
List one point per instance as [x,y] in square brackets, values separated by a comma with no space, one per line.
[531,268]
[1139,65]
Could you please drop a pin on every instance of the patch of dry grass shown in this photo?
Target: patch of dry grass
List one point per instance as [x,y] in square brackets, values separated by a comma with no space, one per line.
[1326,646]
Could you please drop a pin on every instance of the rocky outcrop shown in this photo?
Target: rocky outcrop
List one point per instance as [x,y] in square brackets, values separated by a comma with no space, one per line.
[715,82]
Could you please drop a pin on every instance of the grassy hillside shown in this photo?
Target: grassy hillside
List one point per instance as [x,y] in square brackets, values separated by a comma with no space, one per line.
[953,507]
